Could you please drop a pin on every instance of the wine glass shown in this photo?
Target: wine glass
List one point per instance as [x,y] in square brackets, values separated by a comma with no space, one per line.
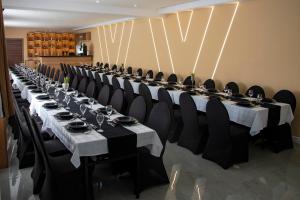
[56,93]
[91,102]
[229,92]
[67,100]
[250,93]
[109,110]
[162,79]
[100,119]
[83,109]
[226,89]
[76,94]
[259,98]
[147,77]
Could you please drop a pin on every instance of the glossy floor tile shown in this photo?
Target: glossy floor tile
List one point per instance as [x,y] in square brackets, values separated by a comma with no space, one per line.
[267,176]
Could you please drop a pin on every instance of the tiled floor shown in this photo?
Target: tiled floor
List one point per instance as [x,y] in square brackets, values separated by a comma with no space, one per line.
[266,176]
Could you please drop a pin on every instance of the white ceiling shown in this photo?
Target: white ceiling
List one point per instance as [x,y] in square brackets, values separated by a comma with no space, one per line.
[76,14]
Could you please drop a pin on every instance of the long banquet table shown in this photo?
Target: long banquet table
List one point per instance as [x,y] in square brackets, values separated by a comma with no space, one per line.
[256,118]
[82,144]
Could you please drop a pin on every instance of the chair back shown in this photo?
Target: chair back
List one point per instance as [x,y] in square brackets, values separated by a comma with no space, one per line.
[150,74]
[78,72]
[140,71]
[129,70]
[90,74]
[256,90]
[159,76]
[75,83]
[90,90]
[114,67]
[61,77]
[51,75]
[104,94]
[105,80]
[48,71]
[82,85]
[115,83]
[138,109]
[145,92]
[56,76]
[286,96]
[188,81]
[160,121]
[117,100]
[172,78]
[233,86]
[209,84]
[129,92]
[84,74]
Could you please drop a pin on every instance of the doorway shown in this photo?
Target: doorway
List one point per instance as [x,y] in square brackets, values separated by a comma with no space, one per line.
[14,50]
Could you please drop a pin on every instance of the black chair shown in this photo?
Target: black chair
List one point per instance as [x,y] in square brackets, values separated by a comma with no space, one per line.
[79,74]
[38,69]
[114,67]
[82,85]
[90,75]
[145,92]
[209,84]
[256,90]
[172,78]
[227,144]
[44,69]
[106,66]
[61,77]
[159,76]
[115,83]
[48,71]
[194,132]
[233,87]
[188,81]
[129,70]
[75,83]
[105,80]
[61,179]
[128,93]
[138,109]
[104,94]
[62,68]
[56,77]
[117,100]
[139,71]
[84,74]
[90,90]
[176,121]
[51,75]
[150,74]
[280,138]
[98,82]
[69,69]
[153,171]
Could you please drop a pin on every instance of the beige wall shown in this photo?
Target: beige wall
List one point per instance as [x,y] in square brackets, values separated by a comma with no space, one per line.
[262,47]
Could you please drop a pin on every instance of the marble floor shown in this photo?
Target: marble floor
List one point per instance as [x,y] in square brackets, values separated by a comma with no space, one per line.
[267,176]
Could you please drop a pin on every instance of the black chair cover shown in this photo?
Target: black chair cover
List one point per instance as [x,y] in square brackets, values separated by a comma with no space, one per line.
[129,70]
[188,81]
[159,76]
[82,85]
[138,109]
[117,100]
[104,94]
[234,87]
[209,84]
[145,92]
[56,77]
[194,132]
[256,90]
[115,83]
[128,93]
[90,90]
[140,72]
[150,73]
[172,78]
[227,144]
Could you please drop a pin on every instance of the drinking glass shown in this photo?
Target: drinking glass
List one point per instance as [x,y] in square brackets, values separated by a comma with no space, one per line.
[162,79]
[76,93]
[226,89]
[91,102]
[56,93]
[147,77]
[100,118]
[259,98]
[229,92]
[109,110]
[83,109]
[250,93]
[67,100]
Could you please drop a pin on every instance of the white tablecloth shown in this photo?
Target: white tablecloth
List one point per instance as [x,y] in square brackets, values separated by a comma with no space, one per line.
[93,143]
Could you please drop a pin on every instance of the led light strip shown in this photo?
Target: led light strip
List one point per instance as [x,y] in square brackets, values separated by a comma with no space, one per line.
[100,43]
[183,39]
[158,66]
[132,23]
[111,36]
[225,40]
[203,39]
[106,44]
[120,43]
[168,45]
[174,179]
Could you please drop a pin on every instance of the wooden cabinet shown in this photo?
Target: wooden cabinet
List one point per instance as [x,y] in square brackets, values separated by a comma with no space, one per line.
[83,36]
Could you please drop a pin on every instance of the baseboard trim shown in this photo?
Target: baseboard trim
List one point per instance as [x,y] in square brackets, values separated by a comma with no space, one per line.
[296,139]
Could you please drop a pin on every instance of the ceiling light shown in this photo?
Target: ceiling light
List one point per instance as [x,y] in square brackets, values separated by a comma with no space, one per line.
[135,5]
[97,1]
